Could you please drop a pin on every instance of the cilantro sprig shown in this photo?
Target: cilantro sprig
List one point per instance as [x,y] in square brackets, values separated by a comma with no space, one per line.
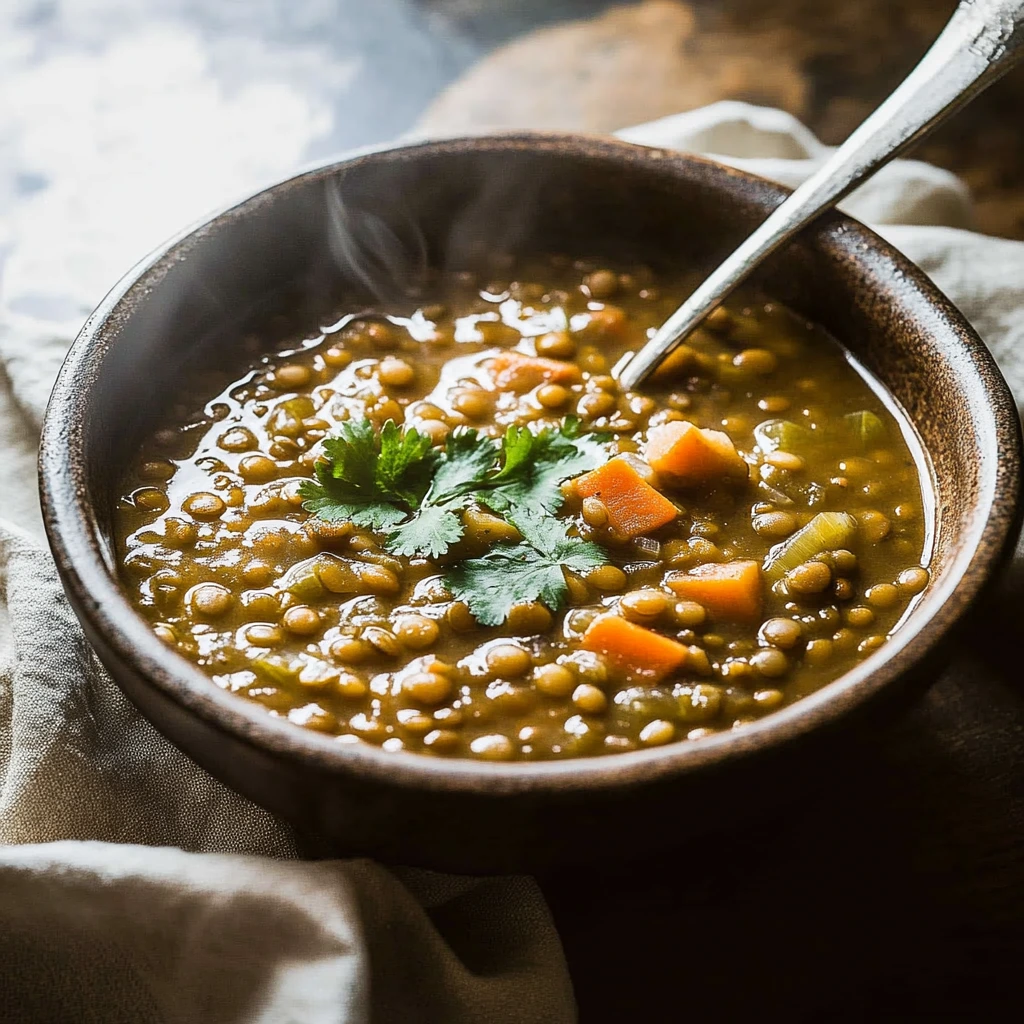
[369,480]
[530,571]
[397,484]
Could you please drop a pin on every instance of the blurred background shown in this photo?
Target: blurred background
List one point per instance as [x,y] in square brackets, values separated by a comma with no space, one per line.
[122,120]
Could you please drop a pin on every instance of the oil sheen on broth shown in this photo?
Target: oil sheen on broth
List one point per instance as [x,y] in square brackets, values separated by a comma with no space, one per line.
[795,538]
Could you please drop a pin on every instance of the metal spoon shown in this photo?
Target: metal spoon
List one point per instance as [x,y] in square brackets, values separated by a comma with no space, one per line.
[983,40]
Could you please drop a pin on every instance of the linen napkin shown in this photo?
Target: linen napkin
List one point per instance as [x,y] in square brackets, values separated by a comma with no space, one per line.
[134,887]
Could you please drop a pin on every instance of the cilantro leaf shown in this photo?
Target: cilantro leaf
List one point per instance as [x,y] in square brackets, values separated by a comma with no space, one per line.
[511,574]
[468,457]
[393,467]
[516,448]
[405,463]
[430,532]
[371,481]
[549,537]
[543,531]
[537,464]
[336,500]
[352,455]
[397,483]
[372,515]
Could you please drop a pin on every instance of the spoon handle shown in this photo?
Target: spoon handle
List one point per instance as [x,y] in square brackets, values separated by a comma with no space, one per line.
[982,41]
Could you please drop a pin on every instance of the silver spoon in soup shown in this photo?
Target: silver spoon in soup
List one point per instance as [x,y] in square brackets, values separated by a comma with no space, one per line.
[983,40]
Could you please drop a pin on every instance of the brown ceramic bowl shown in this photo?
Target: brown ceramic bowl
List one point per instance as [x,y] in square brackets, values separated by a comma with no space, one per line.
[589,196]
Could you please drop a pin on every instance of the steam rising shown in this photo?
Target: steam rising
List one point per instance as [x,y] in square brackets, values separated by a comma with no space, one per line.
[379,242]
[387,257]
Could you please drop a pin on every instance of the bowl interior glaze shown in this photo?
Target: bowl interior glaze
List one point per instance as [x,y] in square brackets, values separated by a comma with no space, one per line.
[309,244]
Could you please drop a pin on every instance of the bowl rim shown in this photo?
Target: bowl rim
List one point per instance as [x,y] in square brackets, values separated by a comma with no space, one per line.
[91,585]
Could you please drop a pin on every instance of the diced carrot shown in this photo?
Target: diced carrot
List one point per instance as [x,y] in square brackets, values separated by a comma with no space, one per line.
[730,591]
[640,652]
[520,372]
[634,506]
[686,454]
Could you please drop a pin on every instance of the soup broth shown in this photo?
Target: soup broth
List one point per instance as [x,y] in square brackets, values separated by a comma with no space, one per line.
[358,535]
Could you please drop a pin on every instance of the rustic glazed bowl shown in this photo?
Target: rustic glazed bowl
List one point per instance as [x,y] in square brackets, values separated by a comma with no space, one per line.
[279,252]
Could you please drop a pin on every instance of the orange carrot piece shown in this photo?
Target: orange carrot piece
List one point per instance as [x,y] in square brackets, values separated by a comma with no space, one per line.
[640,652]
[730,591]
[520,372]
[686,454]
[634,506]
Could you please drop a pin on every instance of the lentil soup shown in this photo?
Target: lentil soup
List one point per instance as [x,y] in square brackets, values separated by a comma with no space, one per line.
[443,527]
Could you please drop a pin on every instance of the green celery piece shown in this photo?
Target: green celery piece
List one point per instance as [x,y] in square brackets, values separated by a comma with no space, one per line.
[827,531]
[865,428]
[298,408]
[272,668]
[302,580]
[773,435]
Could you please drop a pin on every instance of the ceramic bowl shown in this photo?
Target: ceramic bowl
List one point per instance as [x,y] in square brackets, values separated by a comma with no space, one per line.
[277,253]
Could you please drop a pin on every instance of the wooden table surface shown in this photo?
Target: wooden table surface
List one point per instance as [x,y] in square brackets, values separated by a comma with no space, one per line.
[828,64]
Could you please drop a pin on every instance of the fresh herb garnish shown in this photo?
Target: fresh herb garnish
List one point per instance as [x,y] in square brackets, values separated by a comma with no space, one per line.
[370,480]
[510,574]
[397,484]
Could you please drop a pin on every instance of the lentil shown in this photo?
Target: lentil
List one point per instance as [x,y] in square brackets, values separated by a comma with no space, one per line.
[913,580]
[554,680]
[809,578]
[210,600]
[301,620]
[607,578]
[884,595]
[417,631]
[657,733]
[509,661]
[493,747]
[395,373]
[643,605]
[203,505]
[589,699]
[427,687]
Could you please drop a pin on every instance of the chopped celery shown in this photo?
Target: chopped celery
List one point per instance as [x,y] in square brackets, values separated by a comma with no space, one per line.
[313,577]
[865,428]
[299,408]
[827,531]
[303,579]
[772,435]
[273,668]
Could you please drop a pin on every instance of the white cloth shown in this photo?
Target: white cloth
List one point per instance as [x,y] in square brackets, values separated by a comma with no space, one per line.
[134,887]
